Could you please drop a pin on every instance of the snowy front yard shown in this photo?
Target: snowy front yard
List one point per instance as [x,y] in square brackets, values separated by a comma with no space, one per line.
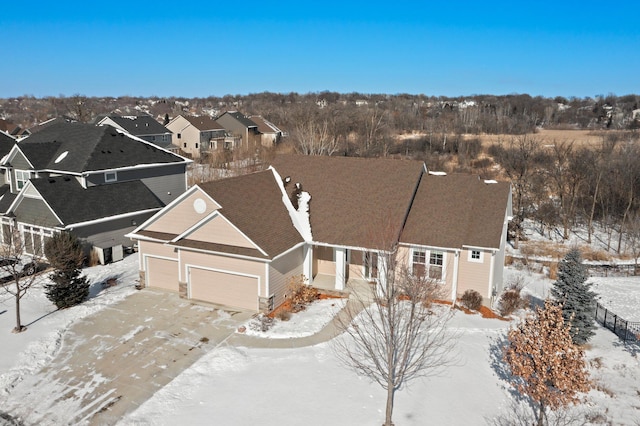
[248,385]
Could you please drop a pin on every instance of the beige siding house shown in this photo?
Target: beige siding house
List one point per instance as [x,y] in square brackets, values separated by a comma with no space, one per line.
[231,242]
[238,241]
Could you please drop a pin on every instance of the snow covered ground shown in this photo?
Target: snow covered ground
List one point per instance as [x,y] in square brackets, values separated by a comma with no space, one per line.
[246,385]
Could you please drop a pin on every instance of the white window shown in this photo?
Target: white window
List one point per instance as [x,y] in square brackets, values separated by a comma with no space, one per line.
[110,177]
[436,259]
[428,263]
[22,177]
[475,256]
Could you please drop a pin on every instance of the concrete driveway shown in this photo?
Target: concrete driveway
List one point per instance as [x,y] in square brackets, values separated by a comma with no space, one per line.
[114,360]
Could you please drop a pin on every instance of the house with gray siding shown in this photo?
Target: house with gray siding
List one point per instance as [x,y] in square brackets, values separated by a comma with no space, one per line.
[144,127]
[97,182]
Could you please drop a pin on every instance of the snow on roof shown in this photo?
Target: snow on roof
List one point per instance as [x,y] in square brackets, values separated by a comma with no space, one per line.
[61,157]
[437,173]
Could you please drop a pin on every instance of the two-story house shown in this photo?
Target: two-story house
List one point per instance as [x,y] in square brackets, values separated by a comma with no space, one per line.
[95,181]
[201,135]
[143,126]
[241,126]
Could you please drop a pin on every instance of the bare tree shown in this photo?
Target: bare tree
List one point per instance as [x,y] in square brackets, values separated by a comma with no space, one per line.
[19,277]
[394,334]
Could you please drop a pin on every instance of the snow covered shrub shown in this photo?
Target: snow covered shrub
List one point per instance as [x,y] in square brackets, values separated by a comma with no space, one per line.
[300,294]
[511,300]
[261,323]
[471,299]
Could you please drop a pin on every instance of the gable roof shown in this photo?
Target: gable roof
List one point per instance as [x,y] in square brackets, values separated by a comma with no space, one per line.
[203,122]
[50,122]
[139,125]
[74,204]
[253,203]
[90,148]
[351,196]
[6,143]
[455,210]
[244,120]
[264,125]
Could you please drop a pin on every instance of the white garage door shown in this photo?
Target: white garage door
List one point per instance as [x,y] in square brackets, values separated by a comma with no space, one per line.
[224,288]
[162,273]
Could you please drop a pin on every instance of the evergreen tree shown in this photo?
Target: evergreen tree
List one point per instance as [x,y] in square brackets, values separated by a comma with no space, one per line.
[573,292]
[66,256]
[547,366]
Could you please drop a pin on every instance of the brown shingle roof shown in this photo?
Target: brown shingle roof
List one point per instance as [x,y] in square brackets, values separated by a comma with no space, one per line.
[350,196]
[264,126]
[455,210]
[203,122]
[253,203]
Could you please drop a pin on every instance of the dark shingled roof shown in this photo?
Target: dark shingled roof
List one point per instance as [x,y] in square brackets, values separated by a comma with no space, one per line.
[139,125]
[90,148]
[73,204]
[6,143]
[253,203]
[7,198]
[352,197]
[455,210]
[244,120]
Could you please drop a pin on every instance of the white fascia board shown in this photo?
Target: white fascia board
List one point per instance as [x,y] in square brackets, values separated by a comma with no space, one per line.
[22,195]
[215,214]
[428,247]
[218,253]
[134,236]
[196,226]
[129,135]
[169,206]
[61,172]
[13,151]
[297,246]
[315,243]
[108,218]
[467,247]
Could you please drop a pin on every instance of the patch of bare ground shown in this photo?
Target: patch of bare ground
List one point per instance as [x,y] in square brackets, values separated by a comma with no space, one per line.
[545,136]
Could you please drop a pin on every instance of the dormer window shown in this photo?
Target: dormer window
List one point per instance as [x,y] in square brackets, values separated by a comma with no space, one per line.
[22,177]
[110,177]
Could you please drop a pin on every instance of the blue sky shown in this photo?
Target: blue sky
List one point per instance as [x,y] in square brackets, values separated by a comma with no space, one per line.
[203,48]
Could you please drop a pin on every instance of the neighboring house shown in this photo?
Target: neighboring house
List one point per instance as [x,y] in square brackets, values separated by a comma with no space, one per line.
[13,129]
[97,182]
[57,120]
[239,125]
[270,135]
[199,136]
[238,241]
[143,126]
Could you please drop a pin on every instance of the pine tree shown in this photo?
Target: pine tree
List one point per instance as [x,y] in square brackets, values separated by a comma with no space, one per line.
[573,293]
[66,256]
[546,364]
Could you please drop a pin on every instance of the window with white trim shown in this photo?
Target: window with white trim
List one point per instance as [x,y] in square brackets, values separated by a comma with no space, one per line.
[475,256]
[110,177]
[419,262]
[22,177]
[436,262]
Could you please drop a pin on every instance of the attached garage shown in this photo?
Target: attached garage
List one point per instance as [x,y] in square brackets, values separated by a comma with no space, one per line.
[224,288]
[162,273]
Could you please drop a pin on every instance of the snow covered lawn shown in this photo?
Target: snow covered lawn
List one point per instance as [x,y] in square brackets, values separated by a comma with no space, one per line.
[26,352]
[245,385]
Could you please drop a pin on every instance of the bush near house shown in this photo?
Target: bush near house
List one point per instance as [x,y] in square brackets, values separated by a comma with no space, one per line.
[299,294]
[471,299]
[65,254]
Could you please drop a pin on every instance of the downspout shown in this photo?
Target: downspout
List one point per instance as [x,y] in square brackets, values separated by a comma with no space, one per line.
[491,283]
[456,265]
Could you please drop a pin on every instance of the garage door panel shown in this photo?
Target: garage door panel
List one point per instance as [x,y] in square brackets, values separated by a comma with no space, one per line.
[223,288]
[162,273]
